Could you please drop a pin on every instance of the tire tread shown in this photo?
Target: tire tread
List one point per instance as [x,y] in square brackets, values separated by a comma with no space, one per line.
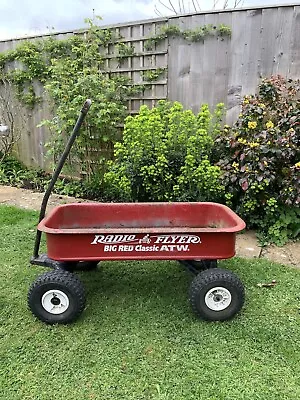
[65,278]
[209,276]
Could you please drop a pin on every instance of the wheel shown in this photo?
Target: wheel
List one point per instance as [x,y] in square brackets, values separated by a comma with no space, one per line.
[56,297]
[80,265]
[216,295]
[202,265]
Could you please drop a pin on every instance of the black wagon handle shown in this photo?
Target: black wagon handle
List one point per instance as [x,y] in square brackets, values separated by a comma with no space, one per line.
[85,108]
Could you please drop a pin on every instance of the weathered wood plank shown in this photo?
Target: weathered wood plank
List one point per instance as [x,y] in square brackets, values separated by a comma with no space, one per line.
[235,79]
[222,65]
[196,68]
[294,69]
[252,55]
[270,30]
[184,62]
[173,66]
[282,51]
[209,61]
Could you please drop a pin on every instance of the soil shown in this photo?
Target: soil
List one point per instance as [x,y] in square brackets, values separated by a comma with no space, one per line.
[247,245]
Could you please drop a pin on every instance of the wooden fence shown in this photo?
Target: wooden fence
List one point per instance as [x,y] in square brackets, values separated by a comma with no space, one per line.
[264,41]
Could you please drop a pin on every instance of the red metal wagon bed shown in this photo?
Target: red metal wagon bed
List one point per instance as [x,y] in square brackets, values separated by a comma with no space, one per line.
[140,231]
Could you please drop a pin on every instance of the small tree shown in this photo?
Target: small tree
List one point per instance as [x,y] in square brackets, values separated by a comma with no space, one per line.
[12,118]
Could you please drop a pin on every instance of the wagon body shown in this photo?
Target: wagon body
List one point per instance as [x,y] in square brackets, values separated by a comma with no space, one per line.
[140,231]
[195,234]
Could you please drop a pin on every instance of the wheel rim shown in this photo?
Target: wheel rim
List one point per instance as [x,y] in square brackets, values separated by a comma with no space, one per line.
[55,302]
[218,298]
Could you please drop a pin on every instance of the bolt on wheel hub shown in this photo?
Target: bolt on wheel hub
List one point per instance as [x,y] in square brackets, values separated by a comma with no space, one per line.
[55,301]
[218,298]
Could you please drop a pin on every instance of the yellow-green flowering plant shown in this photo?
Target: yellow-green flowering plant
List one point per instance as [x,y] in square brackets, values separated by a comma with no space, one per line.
[164,156]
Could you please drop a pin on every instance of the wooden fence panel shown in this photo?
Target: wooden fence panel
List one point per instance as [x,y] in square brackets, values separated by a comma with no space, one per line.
[294,67]
[223,57]
[264,41]
[284,39]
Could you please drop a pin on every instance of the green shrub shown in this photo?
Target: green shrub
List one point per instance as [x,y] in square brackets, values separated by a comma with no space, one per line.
[14,173]
[259,157]
[164,156]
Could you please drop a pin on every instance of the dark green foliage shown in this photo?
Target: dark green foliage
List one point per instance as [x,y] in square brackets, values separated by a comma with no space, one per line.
[260,160]
[14,173]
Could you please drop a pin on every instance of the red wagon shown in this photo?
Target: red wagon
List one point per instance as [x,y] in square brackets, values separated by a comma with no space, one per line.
[195,234]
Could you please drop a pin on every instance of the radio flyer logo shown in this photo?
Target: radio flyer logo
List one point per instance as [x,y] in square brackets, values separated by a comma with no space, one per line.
[146,243]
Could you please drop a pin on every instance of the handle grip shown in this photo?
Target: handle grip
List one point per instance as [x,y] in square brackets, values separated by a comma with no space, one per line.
[86,106]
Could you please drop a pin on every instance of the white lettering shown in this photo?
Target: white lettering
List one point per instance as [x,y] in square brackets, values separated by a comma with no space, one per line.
[174,239]
[97,237]
[194,239]
[125,248]
[111,239]
[118,238]
[159,239]
[183,248]
[146,248]
[110,248]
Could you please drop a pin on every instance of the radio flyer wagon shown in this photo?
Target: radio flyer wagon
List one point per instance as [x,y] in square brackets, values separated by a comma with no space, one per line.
[195,234]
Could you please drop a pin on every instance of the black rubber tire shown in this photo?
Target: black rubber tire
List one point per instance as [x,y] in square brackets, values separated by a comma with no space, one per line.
[202,265]
[80,266]
[65,282]
[207,280]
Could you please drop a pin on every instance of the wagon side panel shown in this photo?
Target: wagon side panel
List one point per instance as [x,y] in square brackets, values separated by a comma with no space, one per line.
[178,246]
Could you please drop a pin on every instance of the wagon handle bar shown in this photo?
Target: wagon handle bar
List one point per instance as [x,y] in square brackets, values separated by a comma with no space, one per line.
[85,108]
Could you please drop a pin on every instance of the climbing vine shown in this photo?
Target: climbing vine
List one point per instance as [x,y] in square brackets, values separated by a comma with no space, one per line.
[153,75]
[192,35]
[124,50]
[70,71]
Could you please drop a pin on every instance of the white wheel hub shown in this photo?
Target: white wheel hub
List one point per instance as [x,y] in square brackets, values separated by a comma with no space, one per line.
[55,302]
[218,298]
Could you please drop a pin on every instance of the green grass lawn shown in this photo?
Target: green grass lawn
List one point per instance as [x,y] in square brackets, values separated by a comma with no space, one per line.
[138,339]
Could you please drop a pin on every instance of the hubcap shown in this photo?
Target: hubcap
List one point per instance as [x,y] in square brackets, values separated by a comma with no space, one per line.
[55,302]
[218,298]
